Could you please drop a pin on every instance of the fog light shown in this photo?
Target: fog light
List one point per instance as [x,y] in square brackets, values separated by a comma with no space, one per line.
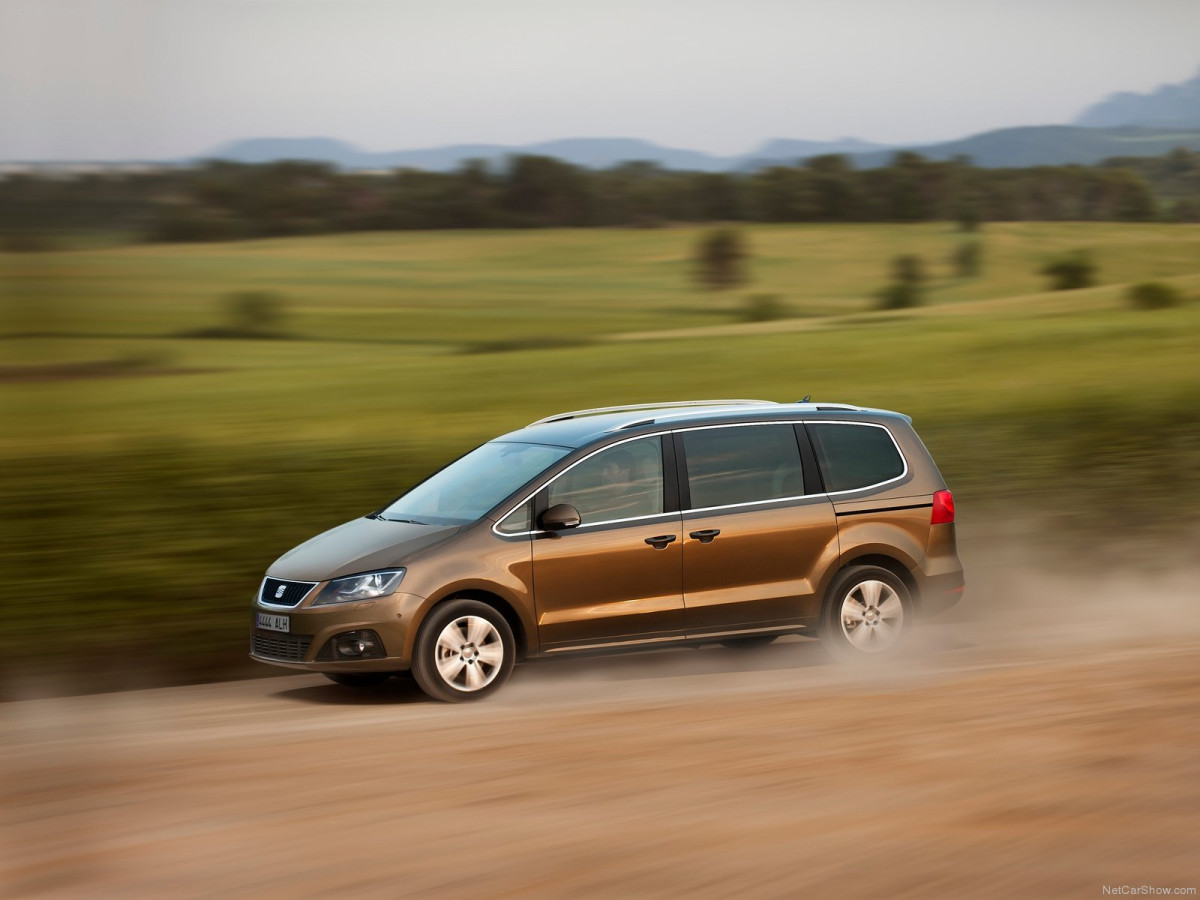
[357,645]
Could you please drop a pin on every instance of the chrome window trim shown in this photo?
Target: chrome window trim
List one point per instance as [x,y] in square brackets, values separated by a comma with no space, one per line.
[295,606]
[701,509]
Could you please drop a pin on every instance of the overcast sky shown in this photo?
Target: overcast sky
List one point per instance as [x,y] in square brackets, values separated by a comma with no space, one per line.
[142,79]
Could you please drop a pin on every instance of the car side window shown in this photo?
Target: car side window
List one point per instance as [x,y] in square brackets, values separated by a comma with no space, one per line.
[854,456]
[621,482]
[519,521]
[743,464]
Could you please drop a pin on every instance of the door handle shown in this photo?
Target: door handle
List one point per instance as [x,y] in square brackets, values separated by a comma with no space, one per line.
[706,536]
[660,542]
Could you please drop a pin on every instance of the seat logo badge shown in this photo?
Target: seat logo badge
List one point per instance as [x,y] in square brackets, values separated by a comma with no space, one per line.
[279,591]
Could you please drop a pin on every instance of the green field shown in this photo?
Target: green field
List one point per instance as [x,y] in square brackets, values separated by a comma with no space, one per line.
[145,492]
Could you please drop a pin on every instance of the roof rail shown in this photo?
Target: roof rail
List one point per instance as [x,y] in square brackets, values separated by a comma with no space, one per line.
[600,410]
[807,407]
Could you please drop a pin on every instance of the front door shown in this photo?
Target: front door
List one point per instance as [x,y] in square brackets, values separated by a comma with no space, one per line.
[616,577]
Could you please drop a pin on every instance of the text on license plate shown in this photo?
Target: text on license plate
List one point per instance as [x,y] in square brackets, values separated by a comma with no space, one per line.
[273,623]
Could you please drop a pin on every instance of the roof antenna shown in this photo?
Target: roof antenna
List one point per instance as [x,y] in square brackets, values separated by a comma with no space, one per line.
[807,398]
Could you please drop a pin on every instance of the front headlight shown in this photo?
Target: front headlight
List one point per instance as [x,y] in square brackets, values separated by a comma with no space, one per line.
[360,587]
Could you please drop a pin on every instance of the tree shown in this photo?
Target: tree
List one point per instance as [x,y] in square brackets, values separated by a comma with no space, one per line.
[908,273]
[834,188]
[782,194]
[720,259]
[966,214]
[1071,271]
[967,259]
[542,191]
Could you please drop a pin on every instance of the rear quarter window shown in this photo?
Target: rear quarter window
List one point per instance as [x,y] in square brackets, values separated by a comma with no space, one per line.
[854,456]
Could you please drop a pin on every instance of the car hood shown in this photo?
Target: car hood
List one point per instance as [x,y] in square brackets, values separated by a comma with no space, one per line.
[358,546]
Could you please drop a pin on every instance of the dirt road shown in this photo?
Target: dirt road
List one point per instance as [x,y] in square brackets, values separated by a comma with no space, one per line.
[1043,742]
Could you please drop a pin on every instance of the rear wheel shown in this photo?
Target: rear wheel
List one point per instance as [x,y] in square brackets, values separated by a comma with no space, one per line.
[867,612]
[358,679]
[465,651]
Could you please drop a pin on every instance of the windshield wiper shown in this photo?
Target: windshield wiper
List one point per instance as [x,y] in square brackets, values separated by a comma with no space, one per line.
[405,521]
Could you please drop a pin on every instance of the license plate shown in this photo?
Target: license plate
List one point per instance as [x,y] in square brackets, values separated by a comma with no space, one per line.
[273,623]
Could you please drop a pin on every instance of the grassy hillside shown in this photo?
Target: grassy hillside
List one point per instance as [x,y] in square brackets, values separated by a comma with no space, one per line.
[148,480]
[460,287]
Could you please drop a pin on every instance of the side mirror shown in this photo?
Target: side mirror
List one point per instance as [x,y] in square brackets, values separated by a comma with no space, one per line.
[559,517]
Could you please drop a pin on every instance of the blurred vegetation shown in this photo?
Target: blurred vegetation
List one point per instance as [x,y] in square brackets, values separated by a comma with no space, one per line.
[721,259]
[967,258]
[1154,295]
[1071,271]
[763,308]
[222,201]
[148,480]
[906,289]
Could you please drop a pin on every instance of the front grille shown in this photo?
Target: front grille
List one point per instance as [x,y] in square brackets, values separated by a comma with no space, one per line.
[292,647]
[293,591]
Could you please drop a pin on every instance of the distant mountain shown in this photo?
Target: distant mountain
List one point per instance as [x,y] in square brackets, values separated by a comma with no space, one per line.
[593,153]
[789,150]
[1047,145]
[435,159]
[261,150]
[1043,145]
[603,153]
[1171,106]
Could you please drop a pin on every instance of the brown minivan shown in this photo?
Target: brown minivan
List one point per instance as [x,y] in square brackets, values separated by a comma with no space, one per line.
[730,521]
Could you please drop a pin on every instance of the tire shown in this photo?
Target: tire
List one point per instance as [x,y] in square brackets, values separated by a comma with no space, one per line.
[750,642]
[358,679]
[866,614]
[465,651]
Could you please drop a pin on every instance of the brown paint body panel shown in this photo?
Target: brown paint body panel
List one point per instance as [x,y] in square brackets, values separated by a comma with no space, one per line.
[605,582]
[759,569]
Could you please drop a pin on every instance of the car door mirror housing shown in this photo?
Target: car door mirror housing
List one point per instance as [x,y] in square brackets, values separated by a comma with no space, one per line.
[559,517]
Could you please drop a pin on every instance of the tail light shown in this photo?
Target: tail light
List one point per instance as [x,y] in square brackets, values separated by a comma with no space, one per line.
[943,508]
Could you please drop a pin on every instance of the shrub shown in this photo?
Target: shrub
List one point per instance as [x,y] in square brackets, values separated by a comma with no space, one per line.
[1071,271]
[763,308]
[256,312]
[1153,295]
[899,296]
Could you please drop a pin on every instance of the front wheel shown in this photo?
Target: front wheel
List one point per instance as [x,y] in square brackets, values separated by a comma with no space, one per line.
[867,612]
[465,651]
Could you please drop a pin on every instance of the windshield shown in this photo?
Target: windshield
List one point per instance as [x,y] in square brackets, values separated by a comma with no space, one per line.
[470,486]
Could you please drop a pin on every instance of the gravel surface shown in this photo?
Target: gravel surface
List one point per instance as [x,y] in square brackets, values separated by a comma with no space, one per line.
[1040,742]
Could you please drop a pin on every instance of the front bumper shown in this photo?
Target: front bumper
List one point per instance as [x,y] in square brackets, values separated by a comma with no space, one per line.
[307,643]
